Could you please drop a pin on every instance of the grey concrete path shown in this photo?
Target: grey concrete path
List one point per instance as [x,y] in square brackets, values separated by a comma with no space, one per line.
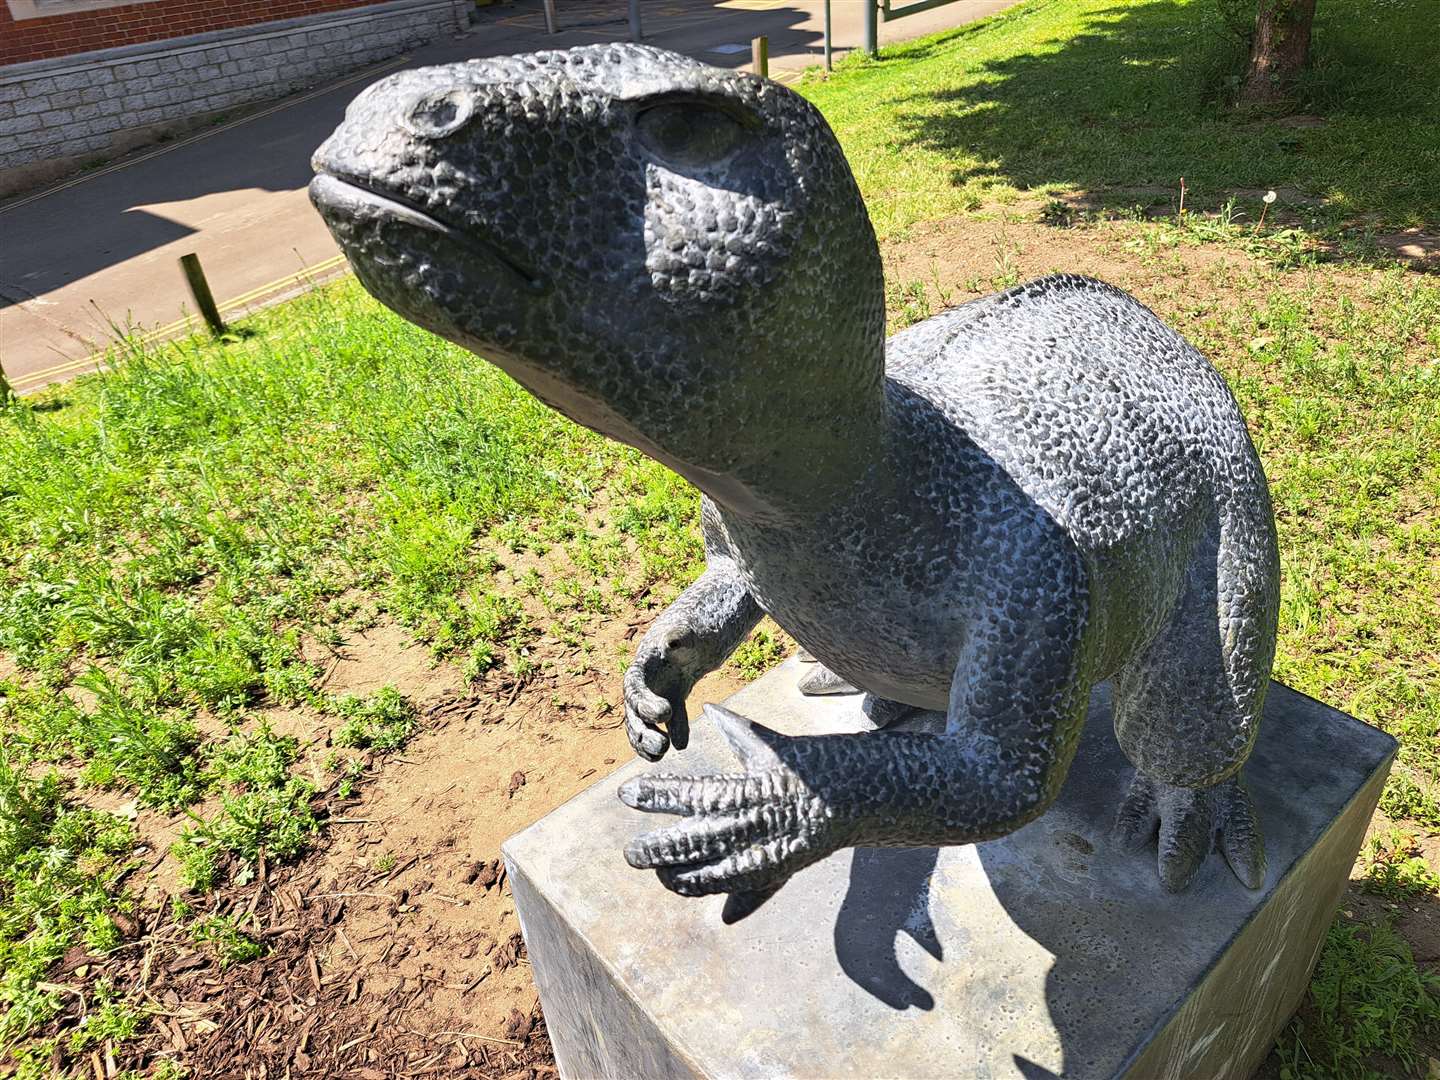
[100,251]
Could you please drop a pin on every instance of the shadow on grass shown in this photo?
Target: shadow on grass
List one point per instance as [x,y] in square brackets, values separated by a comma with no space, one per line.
[1121,101]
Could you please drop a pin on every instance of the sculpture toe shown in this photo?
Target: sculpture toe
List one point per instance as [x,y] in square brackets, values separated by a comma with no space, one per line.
[1241,839]
[1138,818]
[1187,836]
[820,681]
[883,713]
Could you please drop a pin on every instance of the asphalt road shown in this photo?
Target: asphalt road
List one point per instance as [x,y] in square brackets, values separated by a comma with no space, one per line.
[99,253]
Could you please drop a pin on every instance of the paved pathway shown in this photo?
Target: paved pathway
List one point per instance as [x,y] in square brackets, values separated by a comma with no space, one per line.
[100,251]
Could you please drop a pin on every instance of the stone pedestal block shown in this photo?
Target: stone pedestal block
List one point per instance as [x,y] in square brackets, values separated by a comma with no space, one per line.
[1047,953]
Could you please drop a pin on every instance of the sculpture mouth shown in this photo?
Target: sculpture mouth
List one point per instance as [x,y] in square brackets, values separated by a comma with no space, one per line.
[348,194]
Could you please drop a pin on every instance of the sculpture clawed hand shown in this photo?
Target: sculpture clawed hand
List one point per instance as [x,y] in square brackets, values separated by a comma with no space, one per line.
[656,684]
[742,832]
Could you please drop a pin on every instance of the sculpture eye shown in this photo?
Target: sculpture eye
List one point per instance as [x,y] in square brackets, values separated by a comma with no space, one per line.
[435,115]
[689,133]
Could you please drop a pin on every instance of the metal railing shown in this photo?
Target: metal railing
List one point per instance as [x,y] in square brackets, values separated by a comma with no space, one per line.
[875,10]
[552,19]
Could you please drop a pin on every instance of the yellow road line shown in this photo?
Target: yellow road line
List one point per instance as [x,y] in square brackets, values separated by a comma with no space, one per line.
[32,380]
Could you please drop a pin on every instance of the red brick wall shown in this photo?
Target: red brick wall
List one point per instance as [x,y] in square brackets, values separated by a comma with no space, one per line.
[61,35]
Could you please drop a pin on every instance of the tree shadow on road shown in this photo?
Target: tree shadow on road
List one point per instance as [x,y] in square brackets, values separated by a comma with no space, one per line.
[115,215]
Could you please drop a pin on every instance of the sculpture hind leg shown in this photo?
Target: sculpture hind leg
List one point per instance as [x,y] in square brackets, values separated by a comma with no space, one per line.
[1187,709]
[817,680]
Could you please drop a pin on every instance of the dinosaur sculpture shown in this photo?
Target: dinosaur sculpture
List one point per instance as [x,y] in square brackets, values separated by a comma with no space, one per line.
[985,514]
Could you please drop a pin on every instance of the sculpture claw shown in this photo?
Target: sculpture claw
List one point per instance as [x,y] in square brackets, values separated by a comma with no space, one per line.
[741,832]
[741,905]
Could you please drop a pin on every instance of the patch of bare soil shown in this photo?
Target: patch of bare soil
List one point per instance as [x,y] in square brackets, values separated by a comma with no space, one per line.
[963,259]
[1421,250]
[394,949]
[1417,919]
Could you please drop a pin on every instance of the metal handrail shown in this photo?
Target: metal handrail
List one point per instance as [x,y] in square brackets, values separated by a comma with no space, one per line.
[875,10]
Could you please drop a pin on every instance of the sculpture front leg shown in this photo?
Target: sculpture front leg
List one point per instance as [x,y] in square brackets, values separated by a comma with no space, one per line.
[692,637]
[1010,738]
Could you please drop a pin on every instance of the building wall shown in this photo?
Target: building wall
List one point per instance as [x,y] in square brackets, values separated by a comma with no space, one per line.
[60,113]
[42,29]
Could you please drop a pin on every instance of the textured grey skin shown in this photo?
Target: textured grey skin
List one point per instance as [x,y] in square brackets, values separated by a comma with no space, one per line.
[985,515]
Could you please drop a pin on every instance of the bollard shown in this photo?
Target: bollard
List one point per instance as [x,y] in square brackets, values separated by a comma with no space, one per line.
[872,27]
[760,56]
[635,20]
[551,26]
[200,290]
[828,65]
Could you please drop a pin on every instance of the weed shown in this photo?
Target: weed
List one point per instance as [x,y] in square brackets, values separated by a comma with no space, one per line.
[1395,868]
[153,749]
[109,1018]
[351,771]
[1405,799]
[757,654]
[228,944]
[1367,998]
[908,302]
[198,871]
[265,810]
[385,721]
[60,866]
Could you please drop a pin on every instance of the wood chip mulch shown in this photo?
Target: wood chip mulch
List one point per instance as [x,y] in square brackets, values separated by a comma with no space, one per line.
[301,1010]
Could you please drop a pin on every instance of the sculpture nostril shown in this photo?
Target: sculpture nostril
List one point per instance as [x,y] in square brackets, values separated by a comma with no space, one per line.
[437,114]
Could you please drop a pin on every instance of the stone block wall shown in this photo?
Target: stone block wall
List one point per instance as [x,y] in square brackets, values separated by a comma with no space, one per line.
[42,29]
[59,114]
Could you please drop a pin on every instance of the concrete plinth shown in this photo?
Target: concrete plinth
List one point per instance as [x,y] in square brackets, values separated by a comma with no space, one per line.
[1047,953]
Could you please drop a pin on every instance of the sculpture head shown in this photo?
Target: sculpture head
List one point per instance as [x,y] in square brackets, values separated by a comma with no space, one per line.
[664,251]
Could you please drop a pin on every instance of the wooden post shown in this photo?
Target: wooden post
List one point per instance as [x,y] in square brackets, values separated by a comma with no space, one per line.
[550,20]
[760,56]
[200,290]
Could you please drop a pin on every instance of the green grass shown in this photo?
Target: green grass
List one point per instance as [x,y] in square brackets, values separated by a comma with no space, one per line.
[172,532]
[1396,869]
[1094,95]
[60,867]
[1339,383]
[1366,1012]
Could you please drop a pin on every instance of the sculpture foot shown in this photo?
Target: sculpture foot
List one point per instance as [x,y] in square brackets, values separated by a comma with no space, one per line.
[1187,821]
[883,712]
[820,681]
[740,833]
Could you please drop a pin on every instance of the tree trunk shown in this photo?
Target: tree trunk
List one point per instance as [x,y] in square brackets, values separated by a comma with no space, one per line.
[1280,50]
